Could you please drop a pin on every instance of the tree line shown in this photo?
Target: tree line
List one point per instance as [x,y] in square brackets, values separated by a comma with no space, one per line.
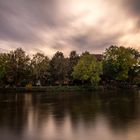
[116,65]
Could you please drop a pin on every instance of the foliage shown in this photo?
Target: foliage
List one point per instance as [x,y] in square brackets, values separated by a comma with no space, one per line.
[58,68]
[88,69]
[120,63]
[73,60]
[40,67]
[15,67]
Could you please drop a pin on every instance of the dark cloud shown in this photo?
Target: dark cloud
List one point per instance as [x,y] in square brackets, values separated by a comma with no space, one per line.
[20,20]
[57,24]
[133,6]
[94,40]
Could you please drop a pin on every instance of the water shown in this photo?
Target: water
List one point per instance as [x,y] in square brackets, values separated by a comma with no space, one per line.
[70,116]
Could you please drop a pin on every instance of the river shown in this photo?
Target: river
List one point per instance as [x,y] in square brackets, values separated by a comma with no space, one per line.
[70,116]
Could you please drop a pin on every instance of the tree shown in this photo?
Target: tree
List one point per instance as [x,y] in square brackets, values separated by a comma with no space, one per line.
[120,62]
[3,61]
[134,72]
[19,66]
[15,67]
[88,69]
[40,68]
[58,68]
[73,60]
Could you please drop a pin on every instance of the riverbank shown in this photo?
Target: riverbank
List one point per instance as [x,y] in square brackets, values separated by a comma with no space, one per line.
[59,89]
[50,89]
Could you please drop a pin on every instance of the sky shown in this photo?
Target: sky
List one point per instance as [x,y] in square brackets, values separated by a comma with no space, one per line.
[48,26]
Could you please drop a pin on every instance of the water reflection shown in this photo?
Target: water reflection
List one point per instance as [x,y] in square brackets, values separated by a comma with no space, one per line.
[72,116]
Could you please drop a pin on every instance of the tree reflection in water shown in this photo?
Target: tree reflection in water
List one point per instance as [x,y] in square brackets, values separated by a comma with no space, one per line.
[70,116]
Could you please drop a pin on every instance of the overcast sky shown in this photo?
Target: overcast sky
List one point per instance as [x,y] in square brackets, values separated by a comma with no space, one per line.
[63,25]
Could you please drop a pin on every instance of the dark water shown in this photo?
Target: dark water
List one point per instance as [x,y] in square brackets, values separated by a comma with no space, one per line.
[70,116]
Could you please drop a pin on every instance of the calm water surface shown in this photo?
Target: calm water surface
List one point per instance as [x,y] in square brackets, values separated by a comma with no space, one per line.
[70,116]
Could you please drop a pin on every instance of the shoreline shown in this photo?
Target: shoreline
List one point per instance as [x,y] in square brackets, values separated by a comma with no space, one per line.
[61,89]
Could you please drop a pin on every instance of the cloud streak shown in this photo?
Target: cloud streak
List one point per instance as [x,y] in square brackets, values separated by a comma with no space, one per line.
[64,25]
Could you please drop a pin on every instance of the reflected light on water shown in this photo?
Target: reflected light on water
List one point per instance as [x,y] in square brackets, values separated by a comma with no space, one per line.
[82,117]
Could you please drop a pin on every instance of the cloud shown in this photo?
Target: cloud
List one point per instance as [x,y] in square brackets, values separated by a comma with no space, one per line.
[64,25]
[133,6]
[21,20]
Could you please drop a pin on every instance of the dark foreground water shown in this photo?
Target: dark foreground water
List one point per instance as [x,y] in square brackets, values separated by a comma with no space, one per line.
[70,116]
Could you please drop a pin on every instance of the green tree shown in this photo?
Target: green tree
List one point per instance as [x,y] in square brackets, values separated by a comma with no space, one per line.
[19,66]
[3,61]
[88,69]
[134,72]
[120,63]
[15,67]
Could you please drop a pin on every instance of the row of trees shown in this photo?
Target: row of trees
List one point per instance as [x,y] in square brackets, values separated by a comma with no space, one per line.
[118,64]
